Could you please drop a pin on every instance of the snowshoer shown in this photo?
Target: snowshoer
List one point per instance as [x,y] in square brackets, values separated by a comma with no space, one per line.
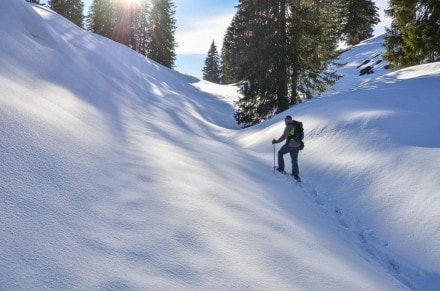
[292,146]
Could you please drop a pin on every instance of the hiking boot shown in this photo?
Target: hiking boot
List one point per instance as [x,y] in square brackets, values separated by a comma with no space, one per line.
[281,171]
[297,178]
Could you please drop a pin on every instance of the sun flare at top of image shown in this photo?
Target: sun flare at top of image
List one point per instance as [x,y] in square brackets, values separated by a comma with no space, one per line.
[130,2]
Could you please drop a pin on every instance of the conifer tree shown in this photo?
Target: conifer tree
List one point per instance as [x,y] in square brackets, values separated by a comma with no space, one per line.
[284,51]
[70,9]
[414,35]
[102,17]
[212,68]
[312,43]
[359,17]
[140,25]
[122,28]
[161,47]
[261,28]
[230,55]
[126,23]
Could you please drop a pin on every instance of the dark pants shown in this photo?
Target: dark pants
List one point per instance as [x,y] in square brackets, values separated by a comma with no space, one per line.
[293,156]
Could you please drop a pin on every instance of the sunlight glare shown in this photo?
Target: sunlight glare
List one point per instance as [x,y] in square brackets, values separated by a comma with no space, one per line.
[130,2]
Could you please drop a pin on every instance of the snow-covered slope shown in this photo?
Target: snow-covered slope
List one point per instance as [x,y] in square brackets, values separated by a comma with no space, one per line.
[373,154]
[361,64]
[117,173]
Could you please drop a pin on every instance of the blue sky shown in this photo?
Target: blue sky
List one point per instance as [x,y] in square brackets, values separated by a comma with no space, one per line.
[201,21]
[198,23]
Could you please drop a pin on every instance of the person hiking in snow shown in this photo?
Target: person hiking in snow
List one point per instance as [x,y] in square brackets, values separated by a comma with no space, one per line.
[292,145]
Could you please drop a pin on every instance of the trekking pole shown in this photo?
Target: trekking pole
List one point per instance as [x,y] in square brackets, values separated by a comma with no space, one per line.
[274,159]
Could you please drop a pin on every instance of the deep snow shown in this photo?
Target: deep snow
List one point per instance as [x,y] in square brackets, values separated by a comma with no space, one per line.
[118,173]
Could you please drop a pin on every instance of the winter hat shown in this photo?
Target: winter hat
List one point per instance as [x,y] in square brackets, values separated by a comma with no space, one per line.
[288,117]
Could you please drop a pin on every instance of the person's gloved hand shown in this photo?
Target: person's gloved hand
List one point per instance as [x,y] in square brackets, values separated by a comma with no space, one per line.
[274,141]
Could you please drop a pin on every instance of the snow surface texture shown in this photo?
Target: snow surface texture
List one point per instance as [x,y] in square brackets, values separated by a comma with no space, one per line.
[119,174]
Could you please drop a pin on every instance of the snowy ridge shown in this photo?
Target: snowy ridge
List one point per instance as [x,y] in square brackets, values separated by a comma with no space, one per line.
[118,173]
